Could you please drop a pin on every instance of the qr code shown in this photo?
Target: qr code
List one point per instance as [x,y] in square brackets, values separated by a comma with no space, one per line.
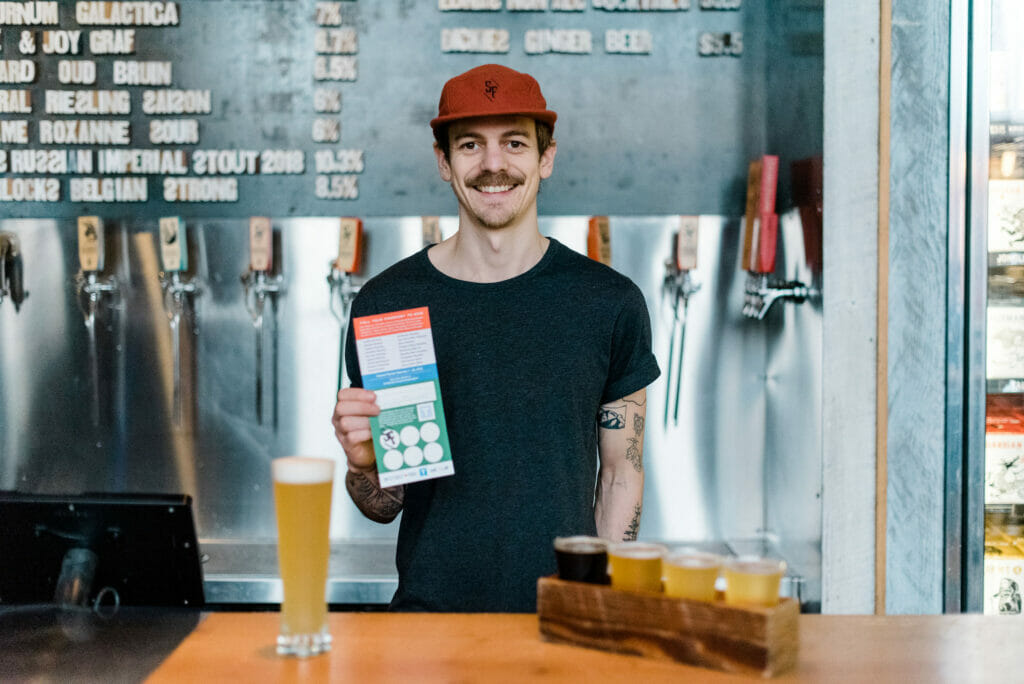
[425,411]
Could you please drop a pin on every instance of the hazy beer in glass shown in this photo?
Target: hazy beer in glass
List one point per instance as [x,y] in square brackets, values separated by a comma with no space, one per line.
[302,498]
[753,580]
[636,566]
[692,574]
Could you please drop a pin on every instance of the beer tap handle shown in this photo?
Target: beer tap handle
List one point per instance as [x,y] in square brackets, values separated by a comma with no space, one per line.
[16,280]
[599,240]
[431,230]
[90,244]
[686,243]
[261,244]
[173,244]
[350,246]
[12,273]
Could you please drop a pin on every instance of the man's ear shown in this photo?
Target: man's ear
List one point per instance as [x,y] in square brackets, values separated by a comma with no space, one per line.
[547,160]
[442,164]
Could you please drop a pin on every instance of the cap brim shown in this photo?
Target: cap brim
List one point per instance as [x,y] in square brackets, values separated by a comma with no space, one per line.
[544,115]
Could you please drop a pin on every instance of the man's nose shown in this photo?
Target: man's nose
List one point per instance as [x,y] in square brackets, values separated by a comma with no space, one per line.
[494,158]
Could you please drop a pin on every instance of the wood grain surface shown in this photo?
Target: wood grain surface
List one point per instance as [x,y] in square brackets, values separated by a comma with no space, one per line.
[713,635]
[375,647]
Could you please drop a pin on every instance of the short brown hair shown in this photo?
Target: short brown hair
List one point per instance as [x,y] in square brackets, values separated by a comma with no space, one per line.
[544,135]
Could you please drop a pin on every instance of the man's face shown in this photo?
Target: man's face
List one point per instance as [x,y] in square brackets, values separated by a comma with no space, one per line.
[495,168]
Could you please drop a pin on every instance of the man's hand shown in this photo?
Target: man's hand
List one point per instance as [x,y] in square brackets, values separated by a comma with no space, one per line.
[351,422]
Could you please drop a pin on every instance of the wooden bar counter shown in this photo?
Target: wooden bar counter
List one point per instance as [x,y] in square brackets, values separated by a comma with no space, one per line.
[380,647]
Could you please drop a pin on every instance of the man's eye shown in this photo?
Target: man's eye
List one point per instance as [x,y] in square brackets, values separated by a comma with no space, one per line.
[516,144]
[468,145]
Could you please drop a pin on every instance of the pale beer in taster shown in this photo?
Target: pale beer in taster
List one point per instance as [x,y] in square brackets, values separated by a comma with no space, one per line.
[752,580]
[302,497]
[636,566]
[692,575]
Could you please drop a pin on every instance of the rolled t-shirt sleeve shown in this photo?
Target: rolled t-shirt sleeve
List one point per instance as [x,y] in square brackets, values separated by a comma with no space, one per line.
[632,364]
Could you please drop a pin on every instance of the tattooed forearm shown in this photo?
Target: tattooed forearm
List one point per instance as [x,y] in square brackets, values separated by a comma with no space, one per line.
[377,504]
[634,525]
[612,417]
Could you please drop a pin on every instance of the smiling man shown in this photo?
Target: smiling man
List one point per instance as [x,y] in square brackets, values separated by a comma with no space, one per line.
[543,357]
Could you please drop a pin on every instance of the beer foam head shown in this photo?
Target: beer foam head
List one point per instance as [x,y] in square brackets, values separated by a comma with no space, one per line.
[637,550]
[756,565]
[581,544]
[302,470]
[690,558]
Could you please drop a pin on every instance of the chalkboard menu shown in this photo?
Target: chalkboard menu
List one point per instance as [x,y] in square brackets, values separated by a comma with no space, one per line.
[305,108]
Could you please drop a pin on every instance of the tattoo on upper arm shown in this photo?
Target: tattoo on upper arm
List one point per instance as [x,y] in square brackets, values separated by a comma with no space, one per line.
[634,525]
[634,455]
[637,402]
[612,418]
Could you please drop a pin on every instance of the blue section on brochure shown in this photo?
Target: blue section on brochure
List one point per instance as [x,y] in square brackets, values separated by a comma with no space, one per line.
[401,376]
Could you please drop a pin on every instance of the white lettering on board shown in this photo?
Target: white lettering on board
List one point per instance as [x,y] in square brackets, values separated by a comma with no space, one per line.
[474,40]
[112,42]
[127,13]
[200,189]
[121,189]
[28,13]
[29,190]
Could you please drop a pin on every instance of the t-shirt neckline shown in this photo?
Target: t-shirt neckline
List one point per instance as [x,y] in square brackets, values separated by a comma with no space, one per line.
[549,254]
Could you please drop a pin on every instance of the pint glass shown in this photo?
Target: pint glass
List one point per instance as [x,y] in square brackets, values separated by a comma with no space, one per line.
[302,498]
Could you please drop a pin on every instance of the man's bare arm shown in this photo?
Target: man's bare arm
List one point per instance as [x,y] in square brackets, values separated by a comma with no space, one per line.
[620,483]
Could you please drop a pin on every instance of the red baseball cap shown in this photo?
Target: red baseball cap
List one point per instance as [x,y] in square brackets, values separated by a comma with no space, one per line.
[492,90]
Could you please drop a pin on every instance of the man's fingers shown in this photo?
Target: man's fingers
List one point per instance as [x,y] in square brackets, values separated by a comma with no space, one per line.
[356,394]
[349,407]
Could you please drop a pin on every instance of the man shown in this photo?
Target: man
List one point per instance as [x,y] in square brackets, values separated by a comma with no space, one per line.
[543,358]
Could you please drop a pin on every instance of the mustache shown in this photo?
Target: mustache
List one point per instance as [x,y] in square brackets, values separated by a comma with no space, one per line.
[488,178]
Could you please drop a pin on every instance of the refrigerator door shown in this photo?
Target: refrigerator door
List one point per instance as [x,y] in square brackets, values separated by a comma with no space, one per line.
[993,556]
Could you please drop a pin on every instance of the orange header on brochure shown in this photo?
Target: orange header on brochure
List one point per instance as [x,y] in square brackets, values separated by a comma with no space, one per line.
[391,323]
[599,240]
[350,245]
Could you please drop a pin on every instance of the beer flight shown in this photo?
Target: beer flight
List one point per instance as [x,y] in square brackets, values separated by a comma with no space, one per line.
[682,573]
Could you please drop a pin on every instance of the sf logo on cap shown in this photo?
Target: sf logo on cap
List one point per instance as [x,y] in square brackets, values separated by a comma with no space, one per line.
[490,89]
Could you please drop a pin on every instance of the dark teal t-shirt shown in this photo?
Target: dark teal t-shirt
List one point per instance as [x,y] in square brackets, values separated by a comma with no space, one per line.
[524,365]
